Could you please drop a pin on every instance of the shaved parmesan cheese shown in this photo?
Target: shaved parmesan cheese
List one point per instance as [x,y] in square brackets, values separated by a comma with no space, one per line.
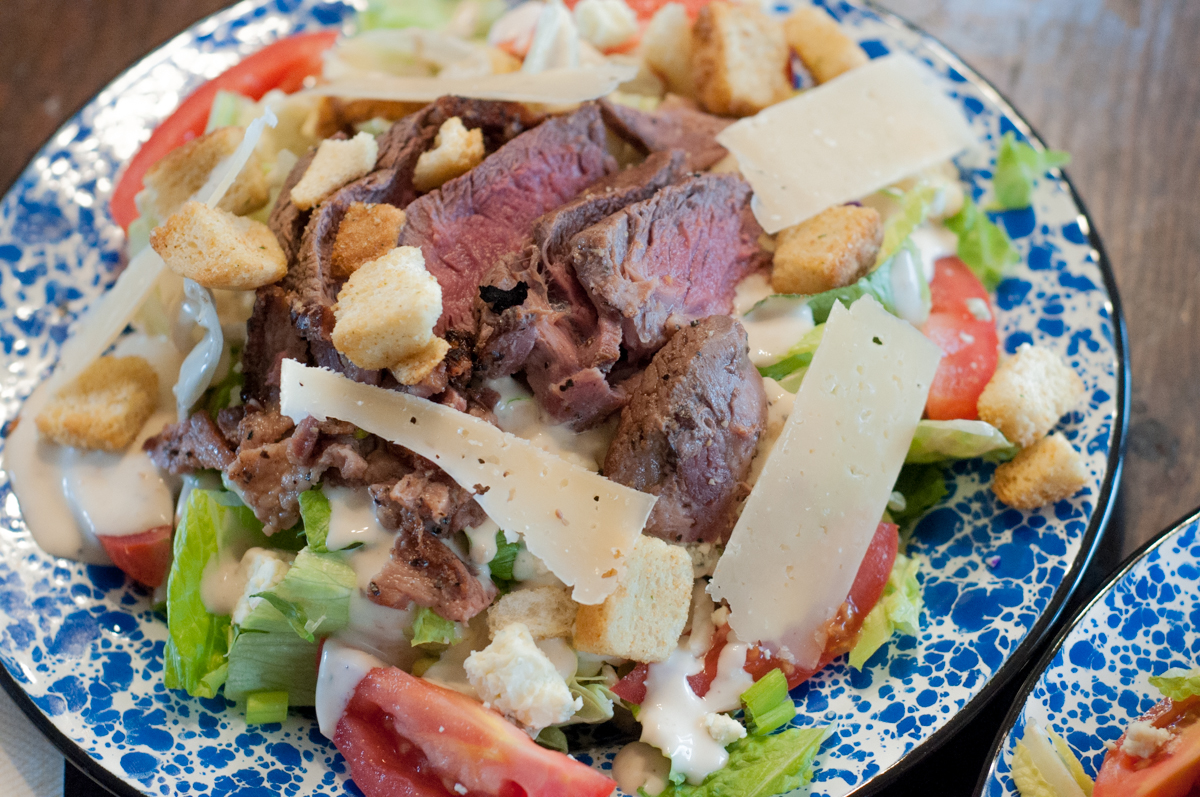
[797,546]
[845,139]
[579,523]
[553,86]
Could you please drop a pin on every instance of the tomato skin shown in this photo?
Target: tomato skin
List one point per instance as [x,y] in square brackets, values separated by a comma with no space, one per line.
[144,557]
[1173,771]
[280,65]
[865,592]
[645,9]
[403,735]
[969,345]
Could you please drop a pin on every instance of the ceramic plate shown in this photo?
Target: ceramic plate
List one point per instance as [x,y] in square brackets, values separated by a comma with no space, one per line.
[83,653]
[1092,682]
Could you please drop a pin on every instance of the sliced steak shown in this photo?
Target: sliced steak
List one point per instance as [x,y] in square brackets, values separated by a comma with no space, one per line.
[427,499]
[675,125]
[271,338]
[286,220]
[689,431]
[670,259]
[424,571]
[472,222]
[191,445]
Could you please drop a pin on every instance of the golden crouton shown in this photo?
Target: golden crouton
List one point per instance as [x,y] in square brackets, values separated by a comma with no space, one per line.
[643,619]
[336,164]
[218,249]
[1028,393]
[335,115]
[836,247]
[185,169]
[385,315]
[548,612]
[1048,471]
[367,232]
[825,50]
[456,151]
[105,407]
[667,49]
[739,59]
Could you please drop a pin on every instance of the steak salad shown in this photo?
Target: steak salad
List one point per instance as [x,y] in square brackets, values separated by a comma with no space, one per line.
[507,371]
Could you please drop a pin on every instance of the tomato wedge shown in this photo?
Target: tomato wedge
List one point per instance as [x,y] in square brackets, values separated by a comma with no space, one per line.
[403,735]
[281,65]
[144,557]
[965,331]
[1173,771]
[645,9]
[865,592]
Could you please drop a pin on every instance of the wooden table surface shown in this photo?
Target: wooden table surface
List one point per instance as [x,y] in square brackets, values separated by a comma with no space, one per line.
[1114,82]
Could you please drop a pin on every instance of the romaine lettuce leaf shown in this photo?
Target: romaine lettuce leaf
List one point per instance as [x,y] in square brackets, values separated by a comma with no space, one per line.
[430,14]
[922,486]
[761,766]
[938,441]
[501,566]
[1178,683]
[899,609]
[597,695]
[914,209]
[984,247]
[430,628]
[1067,778]
[314,513]
[797,357]
[1018,168]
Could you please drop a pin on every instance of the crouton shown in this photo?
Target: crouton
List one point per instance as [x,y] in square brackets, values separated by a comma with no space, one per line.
[420,364]
[386,312]
[548,612]
[105,407]
[667,49]
[1028,393]
[825,50]
[643,618]
[335,115]
[367,232]
[185,170]
[218,249]
[336,164]
[834,248]
[739,59]
[456,151]
[1049,470]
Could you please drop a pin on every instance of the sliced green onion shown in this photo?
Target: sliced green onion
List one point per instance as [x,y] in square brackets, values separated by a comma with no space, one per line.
[264,707]
[768,705]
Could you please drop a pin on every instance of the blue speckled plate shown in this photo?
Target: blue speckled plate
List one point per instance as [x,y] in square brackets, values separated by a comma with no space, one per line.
[1092,681]
[83,653]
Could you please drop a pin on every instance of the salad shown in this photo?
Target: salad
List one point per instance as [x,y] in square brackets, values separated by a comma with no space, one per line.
[467,387]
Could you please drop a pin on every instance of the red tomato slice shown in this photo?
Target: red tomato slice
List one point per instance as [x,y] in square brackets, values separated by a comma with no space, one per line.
[281,65]
[144,557]
[969,344]
[865,592]
[1174,771]
[645,9]
[403,735]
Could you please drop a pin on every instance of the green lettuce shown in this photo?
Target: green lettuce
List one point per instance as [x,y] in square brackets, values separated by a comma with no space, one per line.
[314,513]
[899,609]
[230,109]
[797,357]
[938,441]
[274,649]
[501,566]
[983,246]
[430,628]
[1018,168]
[223,393]
[1178,683]
[922,486]
[761,766]
[597,695]
[430,14]
[914,209]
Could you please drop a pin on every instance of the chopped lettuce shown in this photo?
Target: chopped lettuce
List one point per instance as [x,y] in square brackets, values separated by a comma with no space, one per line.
[982,245]
[552,738]
[768,704]
[501,565]
[922,486]
[915,205]
[1061,773]
[429,14]
[224,393]
[1018,168]
[797,357]
[274,649]
[938,441]
[597,695]
[899,609]
[760,766]
[1178,683]
[314,514]
[430,628]
[230,109]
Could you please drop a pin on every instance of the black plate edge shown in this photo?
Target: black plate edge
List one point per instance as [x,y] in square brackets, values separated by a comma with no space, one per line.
[1031,682]
[1037,635]
[1025,650]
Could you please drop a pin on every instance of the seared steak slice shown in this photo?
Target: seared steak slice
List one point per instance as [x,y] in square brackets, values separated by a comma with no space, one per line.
[689,431]
[271,338]
[672,258]
[469,224]
[424,571]
[675,125]
[286,220]
[191,445]
[428,499]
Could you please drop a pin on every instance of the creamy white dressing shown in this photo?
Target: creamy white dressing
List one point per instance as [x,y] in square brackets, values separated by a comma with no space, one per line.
[222,584]
[773,329]
[933,241]
[482,542]
[518,413]
[779,407]
[352,520]
[448,670]
[531,572]
[379,630]
[639,766]
[369,560]
[566,664]
[342,668]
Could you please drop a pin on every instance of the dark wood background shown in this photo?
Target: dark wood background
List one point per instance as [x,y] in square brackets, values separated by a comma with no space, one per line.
[1114,82]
